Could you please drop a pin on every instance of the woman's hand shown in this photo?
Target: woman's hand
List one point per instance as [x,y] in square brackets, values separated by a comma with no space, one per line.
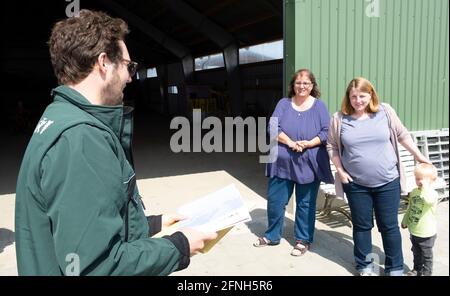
[409,145]
[294,146]
[307,144]
[283,138]
[304,144]
[422,159]
[344,176]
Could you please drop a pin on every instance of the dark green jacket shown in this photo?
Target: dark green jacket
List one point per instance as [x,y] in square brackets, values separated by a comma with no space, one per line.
[77,200]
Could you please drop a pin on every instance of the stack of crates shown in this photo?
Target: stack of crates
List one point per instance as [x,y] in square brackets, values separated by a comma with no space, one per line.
[435,146]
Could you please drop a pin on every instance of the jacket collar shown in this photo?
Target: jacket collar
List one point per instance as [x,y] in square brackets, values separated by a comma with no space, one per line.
[111,116]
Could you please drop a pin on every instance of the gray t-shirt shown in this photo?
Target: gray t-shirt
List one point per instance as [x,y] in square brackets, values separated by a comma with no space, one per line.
[368,155]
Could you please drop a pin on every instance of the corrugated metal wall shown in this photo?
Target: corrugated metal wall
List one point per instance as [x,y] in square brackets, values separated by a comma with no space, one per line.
[400,45]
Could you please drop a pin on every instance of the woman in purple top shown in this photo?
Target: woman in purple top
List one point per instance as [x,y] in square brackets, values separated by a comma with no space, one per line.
[301,126]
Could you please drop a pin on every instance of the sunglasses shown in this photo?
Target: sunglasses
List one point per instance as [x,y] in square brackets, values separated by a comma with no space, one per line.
[131,67]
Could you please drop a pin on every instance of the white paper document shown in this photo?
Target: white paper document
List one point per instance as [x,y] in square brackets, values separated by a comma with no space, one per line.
[216,211]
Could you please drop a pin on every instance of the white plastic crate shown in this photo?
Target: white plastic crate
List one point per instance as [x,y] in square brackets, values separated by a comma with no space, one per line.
[435,145]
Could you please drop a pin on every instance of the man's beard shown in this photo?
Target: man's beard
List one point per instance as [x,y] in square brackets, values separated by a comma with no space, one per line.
[112,94]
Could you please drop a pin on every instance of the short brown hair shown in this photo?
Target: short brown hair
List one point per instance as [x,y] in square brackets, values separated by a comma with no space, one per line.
[426,170]
[364,85]
[315,92]
[75,44]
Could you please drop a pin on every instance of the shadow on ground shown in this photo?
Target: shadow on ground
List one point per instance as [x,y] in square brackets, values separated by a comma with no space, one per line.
[6,238]
[334,246]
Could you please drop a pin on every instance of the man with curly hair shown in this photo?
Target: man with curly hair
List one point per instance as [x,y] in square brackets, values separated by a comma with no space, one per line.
[78,209]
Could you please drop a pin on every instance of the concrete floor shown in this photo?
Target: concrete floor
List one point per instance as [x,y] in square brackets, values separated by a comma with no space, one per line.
[168,180]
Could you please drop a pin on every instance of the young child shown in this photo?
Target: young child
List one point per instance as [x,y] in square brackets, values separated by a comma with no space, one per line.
[420,219]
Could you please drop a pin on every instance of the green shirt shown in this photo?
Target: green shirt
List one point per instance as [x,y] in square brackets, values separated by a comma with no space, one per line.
[420,216]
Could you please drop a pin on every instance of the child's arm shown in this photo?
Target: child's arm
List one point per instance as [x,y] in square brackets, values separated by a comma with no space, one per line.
[405,219]
[430,196]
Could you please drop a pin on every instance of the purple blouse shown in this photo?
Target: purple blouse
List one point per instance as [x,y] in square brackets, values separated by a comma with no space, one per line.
[311,164]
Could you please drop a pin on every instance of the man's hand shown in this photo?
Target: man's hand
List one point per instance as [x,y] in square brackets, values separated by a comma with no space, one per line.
[404,226]
[197,239]
[169,219]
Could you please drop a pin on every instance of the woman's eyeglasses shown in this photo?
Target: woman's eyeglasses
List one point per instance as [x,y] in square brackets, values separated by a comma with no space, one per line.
[305,84]
[131,67]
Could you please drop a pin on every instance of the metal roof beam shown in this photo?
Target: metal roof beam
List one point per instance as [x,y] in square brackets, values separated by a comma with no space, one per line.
[139,52]
[176,48]
[201,23]
[271,6]
[167,42]
[216,8]
[223,39]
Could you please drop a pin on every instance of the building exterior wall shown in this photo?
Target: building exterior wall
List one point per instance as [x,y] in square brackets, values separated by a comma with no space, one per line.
[399,45]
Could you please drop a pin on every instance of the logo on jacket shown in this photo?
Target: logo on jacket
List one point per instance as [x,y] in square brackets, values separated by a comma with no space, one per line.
[42,125]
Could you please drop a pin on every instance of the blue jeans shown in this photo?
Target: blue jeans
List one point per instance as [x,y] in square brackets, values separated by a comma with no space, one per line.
[384,201]
[279,193]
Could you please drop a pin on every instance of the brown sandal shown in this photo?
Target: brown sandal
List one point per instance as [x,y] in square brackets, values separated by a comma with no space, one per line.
[299,249]
[262,242]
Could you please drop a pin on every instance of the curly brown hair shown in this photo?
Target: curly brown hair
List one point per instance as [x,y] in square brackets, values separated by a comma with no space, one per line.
[315,92]
[75,44]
